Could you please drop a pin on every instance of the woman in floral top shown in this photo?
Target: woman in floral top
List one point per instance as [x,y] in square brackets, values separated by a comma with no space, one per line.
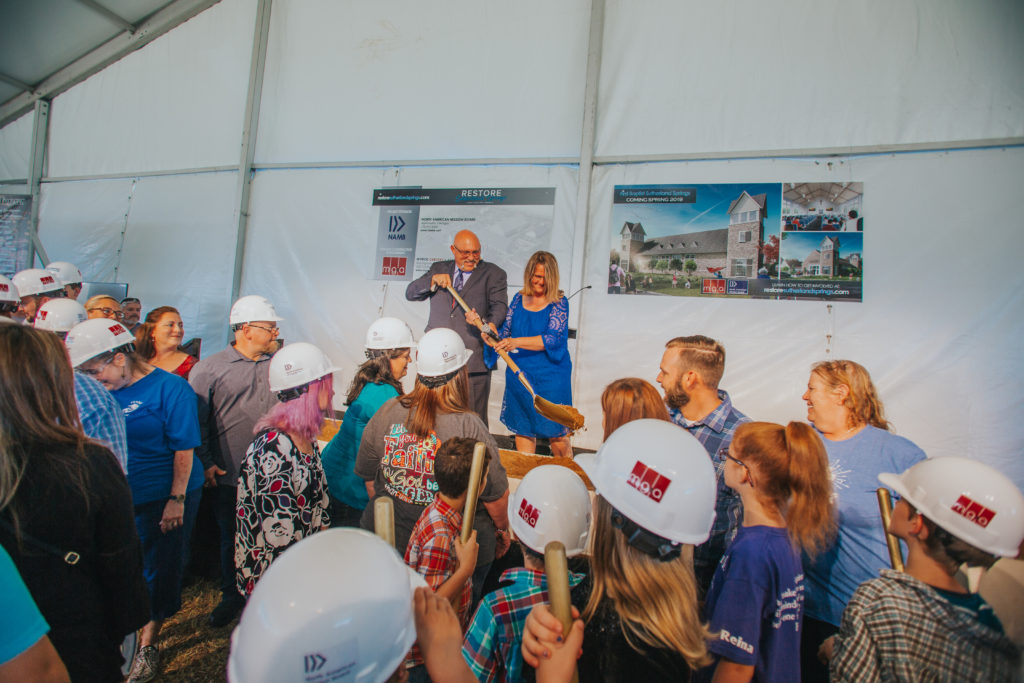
[282,490]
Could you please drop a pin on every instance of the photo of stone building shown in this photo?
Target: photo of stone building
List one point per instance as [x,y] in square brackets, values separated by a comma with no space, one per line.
[731,251]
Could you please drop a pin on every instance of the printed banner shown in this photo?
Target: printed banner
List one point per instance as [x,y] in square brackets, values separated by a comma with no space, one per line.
[15,217]
[747,240]
[416,225]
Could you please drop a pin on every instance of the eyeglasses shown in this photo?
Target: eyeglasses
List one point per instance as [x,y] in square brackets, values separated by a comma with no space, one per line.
[108,312]
[744,466]
[94,372]
[467,252]
[270,330]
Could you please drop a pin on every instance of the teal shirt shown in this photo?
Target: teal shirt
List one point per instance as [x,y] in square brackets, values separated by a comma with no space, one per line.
[22,625]
[339,457]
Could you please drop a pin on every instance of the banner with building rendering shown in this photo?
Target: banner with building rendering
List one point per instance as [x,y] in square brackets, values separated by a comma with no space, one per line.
[752,240]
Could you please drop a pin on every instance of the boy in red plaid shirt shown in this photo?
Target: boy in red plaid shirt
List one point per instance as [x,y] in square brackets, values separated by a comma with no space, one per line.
[435,550]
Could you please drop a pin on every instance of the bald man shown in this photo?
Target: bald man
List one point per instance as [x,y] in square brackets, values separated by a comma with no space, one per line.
[484,286]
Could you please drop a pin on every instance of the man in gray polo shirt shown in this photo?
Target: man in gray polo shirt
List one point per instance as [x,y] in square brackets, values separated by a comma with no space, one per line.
[234,392]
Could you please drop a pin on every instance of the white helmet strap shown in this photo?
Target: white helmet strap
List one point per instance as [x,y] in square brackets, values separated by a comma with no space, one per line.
[647,542]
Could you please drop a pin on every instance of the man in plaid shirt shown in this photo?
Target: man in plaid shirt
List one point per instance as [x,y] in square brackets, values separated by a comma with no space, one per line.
[435,550]
[690,371]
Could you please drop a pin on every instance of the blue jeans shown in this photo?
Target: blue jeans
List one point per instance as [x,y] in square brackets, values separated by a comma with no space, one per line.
[163,555]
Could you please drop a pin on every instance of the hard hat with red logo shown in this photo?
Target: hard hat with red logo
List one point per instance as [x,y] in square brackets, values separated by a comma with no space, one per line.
[551,503]
[295,366]
[660,481]
[97,336]
[38,282]
[67,272]
[971,500]
[10,298]
[304,623]
[60,315]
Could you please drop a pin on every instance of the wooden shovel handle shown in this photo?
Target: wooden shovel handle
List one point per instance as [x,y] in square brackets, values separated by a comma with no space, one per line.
[488,331]
[476,470]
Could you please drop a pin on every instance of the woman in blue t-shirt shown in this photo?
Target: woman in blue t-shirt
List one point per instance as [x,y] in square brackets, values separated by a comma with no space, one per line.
[388,345]
[164,474]
[844,407]
[755,602]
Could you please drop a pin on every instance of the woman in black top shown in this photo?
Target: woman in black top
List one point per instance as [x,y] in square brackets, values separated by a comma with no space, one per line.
[65,510]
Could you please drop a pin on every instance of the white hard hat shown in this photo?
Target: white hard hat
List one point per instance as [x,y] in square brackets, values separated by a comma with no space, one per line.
[67,272]
[295,366]
[659,476]
[35,281]
[389,333]
[9,293]
[441,351]
[60,315]
[251,309]
[551,503]
[93,337]
[306,622]
[969,499]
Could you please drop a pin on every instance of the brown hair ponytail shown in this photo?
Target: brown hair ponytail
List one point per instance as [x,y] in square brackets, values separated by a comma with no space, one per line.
[792,475]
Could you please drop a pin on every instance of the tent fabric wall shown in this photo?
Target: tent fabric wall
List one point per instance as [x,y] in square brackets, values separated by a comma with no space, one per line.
[180,102]
[401,80]
[170,237]
[939,328]
[15,148]
[753,76]
[350,82]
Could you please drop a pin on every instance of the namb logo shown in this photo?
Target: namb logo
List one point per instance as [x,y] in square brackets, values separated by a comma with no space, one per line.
[529,513]
[394,265]
[395,225]
[648,482]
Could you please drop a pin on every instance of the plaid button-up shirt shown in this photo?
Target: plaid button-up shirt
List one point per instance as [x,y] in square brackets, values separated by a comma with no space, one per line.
[898,628]
[101,416]
[715,432]
[431,553]
[491,648]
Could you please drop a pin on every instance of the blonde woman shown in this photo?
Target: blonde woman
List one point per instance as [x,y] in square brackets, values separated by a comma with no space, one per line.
[656,498]
[845,409]
[536,331]
[397,449]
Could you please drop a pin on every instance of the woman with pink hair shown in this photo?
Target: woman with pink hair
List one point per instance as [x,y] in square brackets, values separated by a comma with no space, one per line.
[282,490]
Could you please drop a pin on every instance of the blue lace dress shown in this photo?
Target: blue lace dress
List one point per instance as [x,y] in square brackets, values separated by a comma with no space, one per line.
[549,371]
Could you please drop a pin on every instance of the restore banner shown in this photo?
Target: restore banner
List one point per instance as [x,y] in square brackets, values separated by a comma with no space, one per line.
[416,225]
[15,217]
[748,240]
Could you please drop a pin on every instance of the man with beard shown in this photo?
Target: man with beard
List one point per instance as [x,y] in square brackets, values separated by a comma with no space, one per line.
[691,368]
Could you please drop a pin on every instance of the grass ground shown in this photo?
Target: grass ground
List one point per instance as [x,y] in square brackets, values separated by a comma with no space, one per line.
[190,650]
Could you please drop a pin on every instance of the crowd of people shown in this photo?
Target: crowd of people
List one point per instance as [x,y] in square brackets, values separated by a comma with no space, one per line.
[714,547]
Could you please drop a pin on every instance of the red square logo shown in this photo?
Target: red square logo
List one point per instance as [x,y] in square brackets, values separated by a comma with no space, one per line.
[393,265]
[46,279]
[713,286]
[117,329]
[974,511]
[529,513]
[648,482]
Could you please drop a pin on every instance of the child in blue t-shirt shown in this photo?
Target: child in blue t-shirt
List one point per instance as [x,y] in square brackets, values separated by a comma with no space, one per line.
[755,602]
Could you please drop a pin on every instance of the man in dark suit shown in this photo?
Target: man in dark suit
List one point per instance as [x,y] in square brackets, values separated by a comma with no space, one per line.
[484,286]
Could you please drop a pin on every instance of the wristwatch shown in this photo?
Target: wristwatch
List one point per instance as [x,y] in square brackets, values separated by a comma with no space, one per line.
[180,498]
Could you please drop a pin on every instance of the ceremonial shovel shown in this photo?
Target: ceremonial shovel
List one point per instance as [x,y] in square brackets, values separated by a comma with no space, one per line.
[567,416]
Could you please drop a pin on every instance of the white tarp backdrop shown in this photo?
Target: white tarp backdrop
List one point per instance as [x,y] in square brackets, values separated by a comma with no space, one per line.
[347,82]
